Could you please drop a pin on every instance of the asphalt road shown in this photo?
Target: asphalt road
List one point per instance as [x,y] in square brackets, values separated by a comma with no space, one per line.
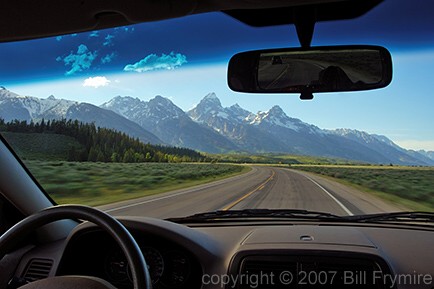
[262,187]
[295,72]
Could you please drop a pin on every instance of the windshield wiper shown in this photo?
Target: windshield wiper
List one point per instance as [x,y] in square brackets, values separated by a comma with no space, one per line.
[304,215]
[249,214]
[411,217]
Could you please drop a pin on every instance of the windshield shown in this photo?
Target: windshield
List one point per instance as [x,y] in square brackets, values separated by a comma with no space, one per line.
[139,120]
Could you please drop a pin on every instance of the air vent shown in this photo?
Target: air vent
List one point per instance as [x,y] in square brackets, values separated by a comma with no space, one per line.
[276,272]
[266,272]
[38,269]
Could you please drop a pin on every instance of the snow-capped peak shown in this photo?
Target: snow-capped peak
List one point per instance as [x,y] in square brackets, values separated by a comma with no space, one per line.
[121,100]
[122,104]
[350,132]
[209,106]
[277,117]
[238,112]
[163,107]
[211,100]
[161,100]
[145,113]
[360,136]
[274,115]
[211,96]
[386,140]
[38,108]
[4,93]
[236,107]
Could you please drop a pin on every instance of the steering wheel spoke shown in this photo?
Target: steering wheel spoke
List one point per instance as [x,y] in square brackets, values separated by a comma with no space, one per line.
[125,240]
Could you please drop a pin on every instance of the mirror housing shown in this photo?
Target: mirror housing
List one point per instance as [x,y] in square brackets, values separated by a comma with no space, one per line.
[311,70]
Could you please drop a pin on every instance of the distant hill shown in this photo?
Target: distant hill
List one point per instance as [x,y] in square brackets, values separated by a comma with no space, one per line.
[29,108]
[75,141]
[41,146]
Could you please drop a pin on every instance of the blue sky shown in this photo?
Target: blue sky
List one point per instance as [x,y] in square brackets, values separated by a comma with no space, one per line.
[185,59]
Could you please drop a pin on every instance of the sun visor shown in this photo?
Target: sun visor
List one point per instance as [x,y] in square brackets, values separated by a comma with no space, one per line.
[326,11]
[30,19]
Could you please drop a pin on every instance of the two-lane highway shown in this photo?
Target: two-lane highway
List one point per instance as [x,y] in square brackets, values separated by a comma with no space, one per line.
[289,189]
[263,187]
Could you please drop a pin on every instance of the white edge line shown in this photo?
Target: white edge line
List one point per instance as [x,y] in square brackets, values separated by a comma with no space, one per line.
[149,201]
[187,191]
[330,195]
[190,191]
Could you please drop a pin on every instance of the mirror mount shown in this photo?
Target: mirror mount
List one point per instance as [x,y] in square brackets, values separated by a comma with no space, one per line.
[306,94]
[304,20]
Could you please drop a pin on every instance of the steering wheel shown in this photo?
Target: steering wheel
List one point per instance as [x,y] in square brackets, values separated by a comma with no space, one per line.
[139,269]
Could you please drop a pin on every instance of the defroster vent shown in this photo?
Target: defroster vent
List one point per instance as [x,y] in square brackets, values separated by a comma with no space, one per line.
[308,272]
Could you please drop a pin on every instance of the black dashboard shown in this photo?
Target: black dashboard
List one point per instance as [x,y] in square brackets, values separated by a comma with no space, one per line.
[246,255]
[94,253]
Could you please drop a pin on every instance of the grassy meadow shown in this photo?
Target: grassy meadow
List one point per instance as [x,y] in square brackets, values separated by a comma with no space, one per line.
[412,187]
[101,183]
[96,183]
[277,159]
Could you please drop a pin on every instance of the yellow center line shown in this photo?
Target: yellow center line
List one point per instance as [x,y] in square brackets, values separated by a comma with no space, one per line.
[260,187]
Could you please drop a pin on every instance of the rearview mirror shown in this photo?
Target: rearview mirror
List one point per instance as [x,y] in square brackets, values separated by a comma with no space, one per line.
[305,71]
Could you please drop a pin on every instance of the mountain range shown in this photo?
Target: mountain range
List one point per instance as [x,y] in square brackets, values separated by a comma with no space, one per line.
[210,127]
[14,106]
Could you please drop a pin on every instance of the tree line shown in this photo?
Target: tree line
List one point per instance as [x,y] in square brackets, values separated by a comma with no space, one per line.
[103,144]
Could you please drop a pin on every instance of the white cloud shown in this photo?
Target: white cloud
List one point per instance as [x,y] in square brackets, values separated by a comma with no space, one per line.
[108,58]
[108,40]
[97,81]
[94,34]
[82,60]
[154,62]
[127,29]
[59,38]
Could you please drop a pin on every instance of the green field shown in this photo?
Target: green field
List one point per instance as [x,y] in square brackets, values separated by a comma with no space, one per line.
[274,158]
[98,183]
[102,183]
[410,186]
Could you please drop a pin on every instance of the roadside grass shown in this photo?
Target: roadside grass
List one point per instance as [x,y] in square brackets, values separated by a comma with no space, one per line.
[412,187]
[103,183]
[278,159]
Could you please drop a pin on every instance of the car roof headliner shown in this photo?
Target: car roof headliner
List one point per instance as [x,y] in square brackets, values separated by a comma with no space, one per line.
[28,19]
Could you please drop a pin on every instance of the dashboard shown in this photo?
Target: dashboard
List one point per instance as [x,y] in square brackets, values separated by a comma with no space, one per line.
[249,255]
[94,253]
